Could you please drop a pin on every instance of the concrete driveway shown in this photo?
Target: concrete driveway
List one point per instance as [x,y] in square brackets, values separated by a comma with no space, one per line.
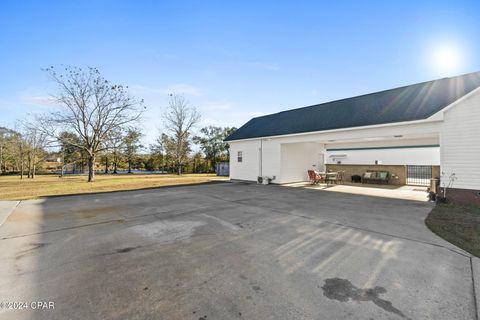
[230,251]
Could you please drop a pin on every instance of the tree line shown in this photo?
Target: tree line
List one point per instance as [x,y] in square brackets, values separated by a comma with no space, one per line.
[97,126]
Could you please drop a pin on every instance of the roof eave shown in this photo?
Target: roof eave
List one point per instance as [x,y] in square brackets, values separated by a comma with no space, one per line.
[392,124]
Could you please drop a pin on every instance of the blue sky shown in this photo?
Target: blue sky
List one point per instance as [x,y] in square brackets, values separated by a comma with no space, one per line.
[233,60]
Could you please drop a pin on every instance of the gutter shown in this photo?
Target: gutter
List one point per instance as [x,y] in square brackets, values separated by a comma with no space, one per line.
[375,126]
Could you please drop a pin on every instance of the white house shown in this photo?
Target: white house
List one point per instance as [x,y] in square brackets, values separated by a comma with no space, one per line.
[426,124]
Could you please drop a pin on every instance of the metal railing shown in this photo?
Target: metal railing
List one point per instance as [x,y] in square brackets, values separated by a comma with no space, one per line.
[419,175]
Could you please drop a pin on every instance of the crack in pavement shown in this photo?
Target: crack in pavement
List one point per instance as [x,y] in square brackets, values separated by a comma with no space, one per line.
[121,220]
[466,255]
[241,202]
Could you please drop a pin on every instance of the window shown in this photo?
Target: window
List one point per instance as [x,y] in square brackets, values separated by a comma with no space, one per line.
[239,156]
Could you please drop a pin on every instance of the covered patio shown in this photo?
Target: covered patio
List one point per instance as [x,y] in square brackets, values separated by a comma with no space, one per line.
[398,166]
[397,159]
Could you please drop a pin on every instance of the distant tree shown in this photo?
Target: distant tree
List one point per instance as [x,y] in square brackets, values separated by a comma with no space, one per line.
[71,154]
[104,158]
[91,107]
[148,162]
[179,121]
[21,156]
[3,148]
[212,143]
[170,151]
[199,164]
[157,154]
[228,131]
[114,143]
[132,144]
[9,150]
[34,142]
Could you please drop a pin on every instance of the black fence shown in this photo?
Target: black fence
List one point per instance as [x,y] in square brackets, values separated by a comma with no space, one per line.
[419,175]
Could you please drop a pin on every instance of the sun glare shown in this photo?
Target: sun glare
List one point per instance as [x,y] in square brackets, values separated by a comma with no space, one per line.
[446,58]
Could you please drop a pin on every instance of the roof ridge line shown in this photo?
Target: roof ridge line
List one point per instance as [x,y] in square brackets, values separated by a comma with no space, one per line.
[367,94]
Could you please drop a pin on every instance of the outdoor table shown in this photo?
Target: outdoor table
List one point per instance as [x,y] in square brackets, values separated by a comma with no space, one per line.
[330,174]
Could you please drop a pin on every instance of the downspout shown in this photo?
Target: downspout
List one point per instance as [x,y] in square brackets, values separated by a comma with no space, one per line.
[261,158]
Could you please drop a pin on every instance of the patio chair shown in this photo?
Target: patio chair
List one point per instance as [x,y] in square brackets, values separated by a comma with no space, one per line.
[332,177]
[314,177]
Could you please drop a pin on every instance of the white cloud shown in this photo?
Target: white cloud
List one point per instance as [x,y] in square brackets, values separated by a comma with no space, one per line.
[216,106]
[211,122]
[39,100]
[243,117]
[185,89]
[179,88]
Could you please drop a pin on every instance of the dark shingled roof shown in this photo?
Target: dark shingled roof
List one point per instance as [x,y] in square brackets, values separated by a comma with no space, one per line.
[415,102]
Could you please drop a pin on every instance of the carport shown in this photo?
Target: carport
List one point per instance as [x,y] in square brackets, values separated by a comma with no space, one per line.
[409,159]
[415,132]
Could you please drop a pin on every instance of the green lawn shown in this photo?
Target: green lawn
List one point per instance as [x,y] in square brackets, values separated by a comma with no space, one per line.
[457,224]
[13,188]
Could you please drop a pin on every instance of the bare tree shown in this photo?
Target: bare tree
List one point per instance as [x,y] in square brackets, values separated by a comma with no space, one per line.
[91,107]
[179,120]
[21,155]
[33,143]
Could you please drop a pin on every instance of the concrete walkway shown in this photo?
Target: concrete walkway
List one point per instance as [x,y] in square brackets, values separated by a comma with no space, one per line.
[476,282]
[374,190]
[6,208]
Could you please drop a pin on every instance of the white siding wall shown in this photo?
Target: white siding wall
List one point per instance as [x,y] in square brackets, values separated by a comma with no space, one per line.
[460,143]
[289,157]
[248,169]
[271,159]
[297,158]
